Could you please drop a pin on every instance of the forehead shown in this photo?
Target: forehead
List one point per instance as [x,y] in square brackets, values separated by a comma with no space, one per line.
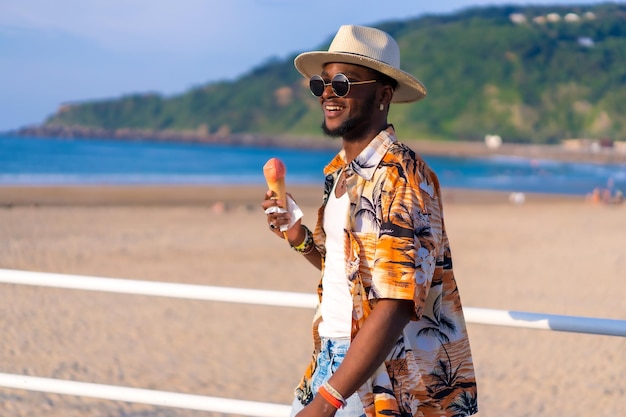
[332,68]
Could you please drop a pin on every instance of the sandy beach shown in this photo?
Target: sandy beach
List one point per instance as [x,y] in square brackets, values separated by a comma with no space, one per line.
[552,254]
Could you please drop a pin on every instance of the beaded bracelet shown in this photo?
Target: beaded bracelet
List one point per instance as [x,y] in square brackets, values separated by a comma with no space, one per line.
[307,244]
[330,397]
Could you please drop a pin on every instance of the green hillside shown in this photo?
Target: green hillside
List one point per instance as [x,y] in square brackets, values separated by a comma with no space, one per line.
[514,71]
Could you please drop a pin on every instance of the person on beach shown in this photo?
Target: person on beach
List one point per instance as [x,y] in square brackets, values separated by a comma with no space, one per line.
[389,334]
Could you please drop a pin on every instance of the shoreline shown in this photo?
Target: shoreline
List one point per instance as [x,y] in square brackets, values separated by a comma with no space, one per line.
[557,152]
[224,196]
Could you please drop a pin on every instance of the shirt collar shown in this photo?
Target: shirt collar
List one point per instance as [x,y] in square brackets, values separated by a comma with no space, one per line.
[366,162]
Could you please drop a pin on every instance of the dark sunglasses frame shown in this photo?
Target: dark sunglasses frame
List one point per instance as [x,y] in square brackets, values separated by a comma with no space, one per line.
[339,83]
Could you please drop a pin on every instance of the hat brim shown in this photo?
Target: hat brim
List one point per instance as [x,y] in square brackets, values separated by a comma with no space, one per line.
[409,88]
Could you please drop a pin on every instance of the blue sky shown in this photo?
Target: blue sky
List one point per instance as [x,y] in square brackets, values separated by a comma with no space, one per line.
[59,51]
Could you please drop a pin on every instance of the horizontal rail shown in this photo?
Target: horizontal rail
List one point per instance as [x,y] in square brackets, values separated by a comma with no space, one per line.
[576,324]
[161,289]
[144,396]
[542,321]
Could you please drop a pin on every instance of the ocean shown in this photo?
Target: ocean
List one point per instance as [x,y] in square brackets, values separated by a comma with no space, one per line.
[26,161]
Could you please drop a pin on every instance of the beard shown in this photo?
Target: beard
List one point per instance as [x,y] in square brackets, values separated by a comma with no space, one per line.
[340,131]
[352,127]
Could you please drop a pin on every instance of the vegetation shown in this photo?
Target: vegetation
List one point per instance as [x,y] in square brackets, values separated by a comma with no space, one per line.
[515,71]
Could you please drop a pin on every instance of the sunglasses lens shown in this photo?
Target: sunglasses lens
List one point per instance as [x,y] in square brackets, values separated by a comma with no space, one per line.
[316,84]
[340,85]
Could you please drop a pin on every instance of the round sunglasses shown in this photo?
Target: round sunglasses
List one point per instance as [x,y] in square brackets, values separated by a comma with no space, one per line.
[340,85]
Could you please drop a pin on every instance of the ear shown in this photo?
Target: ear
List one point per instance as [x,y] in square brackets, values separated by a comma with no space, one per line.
[386,95]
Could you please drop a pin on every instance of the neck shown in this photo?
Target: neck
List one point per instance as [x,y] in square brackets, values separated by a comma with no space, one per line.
[353,149]
[353,146]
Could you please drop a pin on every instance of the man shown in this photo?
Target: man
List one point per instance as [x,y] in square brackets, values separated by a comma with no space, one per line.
[389,332]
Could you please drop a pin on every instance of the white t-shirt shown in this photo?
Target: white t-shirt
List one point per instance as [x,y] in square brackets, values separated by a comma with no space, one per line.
[336,307]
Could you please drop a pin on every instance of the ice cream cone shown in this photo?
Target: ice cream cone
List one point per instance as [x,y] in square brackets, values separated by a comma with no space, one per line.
[274,171]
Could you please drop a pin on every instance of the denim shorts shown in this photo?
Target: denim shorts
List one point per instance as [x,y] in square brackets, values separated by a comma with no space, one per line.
[331,355]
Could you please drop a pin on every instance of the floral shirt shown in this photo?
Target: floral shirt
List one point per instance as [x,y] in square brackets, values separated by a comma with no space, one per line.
[396,247]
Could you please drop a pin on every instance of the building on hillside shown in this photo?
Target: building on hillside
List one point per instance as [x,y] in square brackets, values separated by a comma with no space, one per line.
[553,17]
[517,18]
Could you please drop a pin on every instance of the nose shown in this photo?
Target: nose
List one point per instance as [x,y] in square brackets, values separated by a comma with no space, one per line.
[328,91]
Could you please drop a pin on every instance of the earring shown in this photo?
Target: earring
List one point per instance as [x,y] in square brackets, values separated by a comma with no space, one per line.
[381,107]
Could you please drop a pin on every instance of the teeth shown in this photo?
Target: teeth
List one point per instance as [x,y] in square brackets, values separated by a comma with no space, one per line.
[333,108]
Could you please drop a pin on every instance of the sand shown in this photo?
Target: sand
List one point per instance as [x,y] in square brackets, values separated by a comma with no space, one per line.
[551,254]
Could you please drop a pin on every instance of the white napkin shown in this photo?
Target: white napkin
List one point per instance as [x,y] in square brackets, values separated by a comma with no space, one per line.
[292,208]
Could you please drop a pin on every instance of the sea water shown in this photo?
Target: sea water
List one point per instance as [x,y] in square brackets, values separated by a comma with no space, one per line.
[78,161]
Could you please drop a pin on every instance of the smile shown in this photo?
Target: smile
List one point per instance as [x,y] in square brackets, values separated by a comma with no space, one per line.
[333,108]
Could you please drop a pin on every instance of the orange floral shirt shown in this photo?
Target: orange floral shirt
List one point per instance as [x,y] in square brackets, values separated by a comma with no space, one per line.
[396,247]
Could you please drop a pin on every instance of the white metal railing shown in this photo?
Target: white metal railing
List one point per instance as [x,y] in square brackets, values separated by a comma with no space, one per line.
[599,326]
[161,289]
[144,396]
[610,327]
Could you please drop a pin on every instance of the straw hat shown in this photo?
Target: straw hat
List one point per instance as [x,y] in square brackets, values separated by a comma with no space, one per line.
[371,48]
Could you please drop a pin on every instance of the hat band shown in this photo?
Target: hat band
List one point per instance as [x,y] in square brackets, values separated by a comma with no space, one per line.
[360,55]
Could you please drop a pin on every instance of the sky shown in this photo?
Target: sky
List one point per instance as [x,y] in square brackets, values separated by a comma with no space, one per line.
[54,52]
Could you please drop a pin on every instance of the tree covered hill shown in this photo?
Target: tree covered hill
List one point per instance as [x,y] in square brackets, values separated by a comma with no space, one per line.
[527,73]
